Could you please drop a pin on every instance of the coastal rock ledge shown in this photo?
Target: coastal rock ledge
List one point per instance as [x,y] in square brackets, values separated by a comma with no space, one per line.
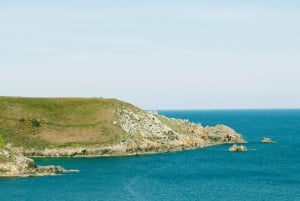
[16,165]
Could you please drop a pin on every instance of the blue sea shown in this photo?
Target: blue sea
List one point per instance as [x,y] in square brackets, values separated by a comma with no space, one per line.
[265,172]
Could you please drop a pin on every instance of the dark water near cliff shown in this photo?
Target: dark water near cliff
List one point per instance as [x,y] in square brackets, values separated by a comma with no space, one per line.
[266,172]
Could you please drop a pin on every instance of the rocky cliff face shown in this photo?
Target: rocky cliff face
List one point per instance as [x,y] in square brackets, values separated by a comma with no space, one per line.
[149,131]
[16,165]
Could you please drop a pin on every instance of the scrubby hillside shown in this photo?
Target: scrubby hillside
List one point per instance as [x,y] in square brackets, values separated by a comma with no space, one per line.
[97,126]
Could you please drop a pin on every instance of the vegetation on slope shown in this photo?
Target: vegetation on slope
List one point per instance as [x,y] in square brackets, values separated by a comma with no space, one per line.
[55,122]
[1,141]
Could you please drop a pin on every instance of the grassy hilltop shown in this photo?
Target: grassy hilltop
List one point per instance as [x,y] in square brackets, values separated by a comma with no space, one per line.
[44,122]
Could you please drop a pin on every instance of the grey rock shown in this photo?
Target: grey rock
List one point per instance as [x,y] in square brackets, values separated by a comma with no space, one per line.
[267,140]
[18,165]
[237,148]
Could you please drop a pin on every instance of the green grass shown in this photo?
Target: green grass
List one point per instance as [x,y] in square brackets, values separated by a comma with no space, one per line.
[171,123]
[38,122]
[2,143]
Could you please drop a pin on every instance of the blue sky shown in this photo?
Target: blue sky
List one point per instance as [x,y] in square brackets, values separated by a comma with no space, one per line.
[155,54]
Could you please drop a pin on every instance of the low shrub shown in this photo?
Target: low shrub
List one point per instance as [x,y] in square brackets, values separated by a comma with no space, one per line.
[22,120]
[2,143]
[35,123]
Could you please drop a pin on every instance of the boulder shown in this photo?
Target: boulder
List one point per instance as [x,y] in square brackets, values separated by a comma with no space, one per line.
[237,148]
[267,140]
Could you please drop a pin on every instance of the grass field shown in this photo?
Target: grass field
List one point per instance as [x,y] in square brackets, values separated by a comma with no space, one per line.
[56,122]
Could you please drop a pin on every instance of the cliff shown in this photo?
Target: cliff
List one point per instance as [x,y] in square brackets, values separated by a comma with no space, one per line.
[54,127]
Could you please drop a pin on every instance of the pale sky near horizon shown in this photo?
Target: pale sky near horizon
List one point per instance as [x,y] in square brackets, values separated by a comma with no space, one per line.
[158,54]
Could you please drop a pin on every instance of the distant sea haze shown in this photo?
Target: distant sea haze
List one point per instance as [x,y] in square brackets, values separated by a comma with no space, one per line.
[264,172]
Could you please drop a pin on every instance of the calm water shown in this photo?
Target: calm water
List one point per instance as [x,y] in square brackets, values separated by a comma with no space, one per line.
[266,172]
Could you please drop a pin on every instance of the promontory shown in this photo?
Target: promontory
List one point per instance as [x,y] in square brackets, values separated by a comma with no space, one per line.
[84,127]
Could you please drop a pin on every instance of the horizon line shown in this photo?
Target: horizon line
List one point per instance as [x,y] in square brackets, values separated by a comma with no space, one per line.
[223,109]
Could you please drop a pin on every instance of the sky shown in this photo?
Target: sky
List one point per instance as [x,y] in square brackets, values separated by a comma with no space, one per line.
[158,54]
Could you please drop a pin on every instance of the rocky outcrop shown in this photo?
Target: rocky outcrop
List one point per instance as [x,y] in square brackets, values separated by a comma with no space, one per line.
[149,130]
[237,148]
[267,140]
[16,165]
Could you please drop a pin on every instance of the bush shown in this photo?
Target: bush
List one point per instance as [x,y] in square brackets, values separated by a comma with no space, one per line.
[1,141]
[35,123]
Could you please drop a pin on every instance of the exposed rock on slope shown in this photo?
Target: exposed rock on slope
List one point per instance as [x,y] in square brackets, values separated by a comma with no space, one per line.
[150,131]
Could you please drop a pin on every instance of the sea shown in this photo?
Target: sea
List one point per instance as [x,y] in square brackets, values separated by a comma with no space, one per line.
[269,172]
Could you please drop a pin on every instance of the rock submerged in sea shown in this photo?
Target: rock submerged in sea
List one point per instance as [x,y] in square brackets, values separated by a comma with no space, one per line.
[237,148]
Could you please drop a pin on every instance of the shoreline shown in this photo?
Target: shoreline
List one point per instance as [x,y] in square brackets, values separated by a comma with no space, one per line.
[128,154]
[23,164]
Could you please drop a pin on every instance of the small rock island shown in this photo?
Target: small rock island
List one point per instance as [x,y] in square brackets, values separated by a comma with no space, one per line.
[267,140]
[237,148]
